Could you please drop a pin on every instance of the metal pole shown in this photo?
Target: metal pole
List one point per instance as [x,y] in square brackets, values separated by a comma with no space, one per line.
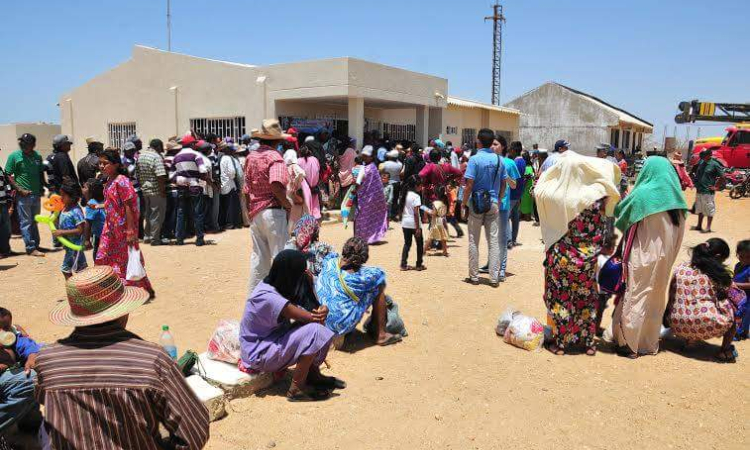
[169,26]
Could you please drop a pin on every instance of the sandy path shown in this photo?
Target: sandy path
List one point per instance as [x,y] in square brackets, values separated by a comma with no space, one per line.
[452,383]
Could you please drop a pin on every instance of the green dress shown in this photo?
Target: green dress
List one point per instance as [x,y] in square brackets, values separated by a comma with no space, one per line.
[527,202]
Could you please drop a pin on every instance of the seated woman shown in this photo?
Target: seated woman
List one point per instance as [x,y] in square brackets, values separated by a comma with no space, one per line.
[271,342]
[348,289]
[698,307]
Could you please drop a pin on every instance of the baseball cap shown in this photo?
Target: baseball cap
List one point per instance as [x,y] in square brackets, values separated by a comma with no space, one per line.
[560,144]
[133,138]
[128,146]
[61,139]
[27,137]
[367,150]
[187,140]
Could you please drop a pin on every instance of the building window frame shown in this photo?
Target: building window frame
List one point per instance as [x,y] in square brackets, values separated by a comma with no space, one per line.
[469,136]
[118,132]
[226,126]
[451,130]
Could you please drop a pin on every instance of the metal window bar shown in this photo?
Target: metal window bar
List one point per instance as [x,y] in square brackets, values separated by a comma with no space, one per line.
[118,132]
[233,127]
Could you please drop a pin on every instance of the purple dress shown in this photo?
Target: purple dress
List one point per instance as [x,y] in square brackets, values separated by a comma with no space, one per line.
[269,342]
[371,222]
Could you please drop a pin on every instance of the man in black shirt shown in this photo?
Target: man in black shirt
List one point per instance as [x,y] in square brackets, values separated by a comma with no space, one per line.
[88,166]
[60,167]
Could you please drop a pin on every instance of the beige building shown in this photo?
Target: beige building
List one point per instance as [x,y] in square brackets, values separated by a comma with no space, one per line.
[161,94]
[9,134]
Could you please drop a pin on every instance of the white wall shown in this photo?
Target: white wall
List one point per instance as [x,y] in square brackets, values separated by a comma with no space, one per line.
[9,134]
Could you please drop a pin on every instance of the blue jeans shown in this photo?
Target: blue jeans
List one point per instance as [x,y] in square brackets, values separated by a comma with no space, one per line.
[16,396]
[189,203]
[515,219]
[4,230]
[503,236]
[28,207]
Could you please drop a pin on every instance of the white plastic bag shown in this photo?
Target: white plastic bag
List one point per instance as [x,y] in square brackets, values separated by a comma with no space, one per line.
[225,342]
[504,320]
[135,270]
[525,332]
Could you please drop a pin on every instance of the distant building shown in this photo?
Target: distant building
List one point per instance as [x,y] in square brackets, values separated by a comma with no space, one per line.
[161,94]
[9,134]
[553,111]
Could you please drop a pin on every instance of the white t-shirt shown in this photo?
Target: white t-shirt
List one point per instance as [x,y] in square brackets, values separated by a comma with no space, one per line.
[412,201]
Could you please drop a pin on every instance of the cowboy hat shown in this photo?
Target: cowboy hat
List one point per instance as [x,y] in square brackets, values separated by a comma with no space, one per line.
[172,145]
[96,295]
[676,157]
[270,130]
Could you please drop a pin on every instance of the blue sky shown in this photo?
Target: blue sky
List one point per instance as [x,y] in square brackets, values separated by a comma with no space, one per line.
[642,55]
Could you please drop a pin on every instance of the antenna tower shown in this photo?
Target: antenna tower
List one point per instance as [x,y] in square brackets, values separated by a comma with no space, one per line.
[498,20]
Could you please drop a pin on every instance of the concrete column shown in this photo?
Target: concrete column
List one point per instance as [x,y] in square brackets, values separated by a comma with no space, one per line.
[356,117]
[436,127]
[423,122]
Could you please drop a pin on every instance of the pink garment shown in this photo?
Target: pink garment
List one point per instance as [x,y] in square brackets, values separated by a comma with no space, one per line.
[312,177]
[296,182]
[346,164]
[685,181]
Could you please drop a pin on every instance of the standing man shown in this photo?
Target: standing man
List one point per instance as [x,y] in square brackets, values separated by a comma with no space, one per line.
[60,166]
[26,168]
[561,147]
[393,168]
[707,176]
[484,178]
[88,166]
[500,147]
[265,187]
[191,173]
[434,175]
[623,165]
[7,185]
[105,387]
[152,176]
[515,194]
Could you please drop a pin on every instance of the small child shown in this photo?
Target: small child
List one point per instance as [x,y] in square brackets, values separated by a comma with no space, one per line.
[411,222]
[438,231]
[742,281]
[93,193]
[608,249]
[385,177]
[71,226]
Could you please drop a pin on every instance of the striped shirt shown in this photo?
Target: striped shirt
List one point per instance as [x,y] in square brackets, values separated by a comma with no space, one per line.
[189,167]
[104,387]
[148,169]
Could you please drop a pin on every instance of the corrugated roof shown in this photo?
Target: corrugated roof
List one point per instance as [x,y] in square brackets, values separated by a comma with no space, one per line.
[621,113]
[472,104]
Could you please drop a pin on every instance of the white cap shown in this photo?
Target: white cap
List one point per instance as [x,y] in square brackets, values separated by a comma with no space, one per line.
[309,139]
[393,154]
[366,150]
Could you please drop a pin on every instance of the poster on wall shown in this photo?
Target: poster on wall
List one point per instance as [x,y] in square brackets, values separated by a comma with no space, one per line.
[306,125]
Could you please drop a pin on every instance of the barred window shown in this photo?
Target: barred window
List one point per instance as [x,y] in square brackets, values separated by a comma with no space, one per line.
[451,130]
[233,127]
[400,132]
[119,131]
[468,136]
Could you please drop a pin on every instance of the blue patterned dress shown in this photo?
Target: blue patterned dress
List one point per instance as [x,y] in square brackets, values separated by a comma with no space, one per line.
[345,309]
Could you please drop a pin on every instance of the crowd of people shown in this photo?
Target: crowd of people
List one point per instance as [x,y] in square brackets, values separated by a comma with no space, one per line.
[303,294]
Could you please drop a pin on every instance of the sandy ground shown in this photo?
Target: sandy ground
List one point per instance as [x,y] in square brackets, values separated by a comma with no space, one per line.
[452,383]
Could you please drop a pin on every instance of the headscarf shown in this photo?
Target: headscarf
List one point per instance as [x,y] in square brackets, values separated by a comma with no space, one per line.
[346,164]
[306,232]
[657,189]
[290,157]
[287,273]
[569,187]
[355,253]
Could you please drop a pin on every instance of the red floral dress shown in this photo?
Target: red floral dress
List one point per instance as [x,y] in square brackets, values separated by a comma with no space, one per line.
[113,245]
[570,289]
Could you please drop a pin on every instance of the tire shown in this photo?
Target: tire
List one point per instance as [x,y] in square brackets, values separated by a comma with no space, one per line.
[737,192]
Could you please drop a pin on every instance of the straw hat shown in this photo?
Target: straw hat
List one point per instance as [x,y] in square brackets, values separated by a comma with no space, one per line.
[172,145]
[96,295]
[270,130]
[676,157]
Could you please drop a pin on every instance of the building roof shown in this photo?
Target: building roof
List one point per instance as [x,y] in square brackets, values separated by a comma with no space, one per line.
[472,104]
[621,113]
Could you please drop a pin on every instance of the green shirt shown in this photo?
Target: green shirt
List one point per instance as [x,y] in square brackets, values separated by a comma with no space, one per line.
[707,174]
[26,170]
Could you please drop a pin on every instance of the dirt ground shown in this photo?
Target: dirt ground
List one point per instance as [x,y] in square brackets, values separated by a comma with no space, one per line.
[453,383]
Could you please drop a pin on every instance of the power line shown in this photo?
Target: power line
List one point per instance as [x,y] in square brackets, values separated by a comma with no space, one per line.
[497,49]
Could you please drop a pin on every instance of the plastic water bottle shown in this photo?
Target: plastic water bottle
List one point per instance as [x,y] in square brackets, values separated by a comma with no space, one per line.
[167,342]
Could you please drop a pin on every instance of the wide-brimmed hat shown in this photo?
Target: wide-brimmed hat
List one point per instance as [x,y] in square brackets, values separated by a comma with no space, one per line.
[96,295]
[172,145]
[676,157]
[270,130]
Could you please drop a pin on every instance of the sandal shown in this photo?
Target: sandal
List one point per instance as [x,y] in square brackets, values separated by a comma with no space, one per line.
[625,352]
[555,350]
[406,268]
[728,356]
[308,394]
[392,339]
